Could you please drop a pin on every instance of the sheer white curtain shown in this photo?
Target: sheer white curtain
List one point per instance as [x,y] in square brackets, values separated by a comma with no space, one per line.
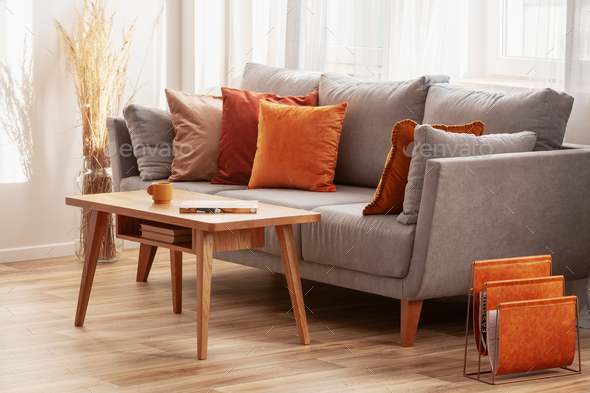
[159,58]
[426,37]
[368,39]
[355,32]
[305,40]
[228,34]
[577,83]
[279,33]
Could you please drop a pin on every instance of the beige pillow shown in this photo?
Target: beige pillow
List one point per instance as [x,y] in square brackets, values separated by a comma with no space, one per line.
[197,122]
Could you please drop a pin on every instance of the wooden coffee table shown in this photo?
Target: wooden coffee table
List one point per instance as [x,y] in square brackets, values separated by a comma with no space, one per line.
[210,233]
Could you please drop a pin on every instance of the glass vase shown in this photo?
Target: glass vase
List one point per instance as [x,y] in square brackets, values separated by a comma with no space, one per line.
[96,179]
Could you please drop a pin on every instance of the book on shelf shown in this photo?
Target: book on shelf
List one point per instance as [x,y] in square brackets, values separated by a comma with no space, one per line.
[166,233]
[218,206]
[165,229]
[171,239]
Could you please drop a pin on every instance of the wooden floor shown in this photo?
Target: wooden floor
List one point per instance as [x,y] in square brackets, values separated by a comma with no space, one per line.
[133,342]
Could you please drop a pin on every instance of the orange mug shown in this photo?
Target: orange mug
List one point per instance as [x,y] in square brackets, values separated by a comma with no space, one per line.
[160,192]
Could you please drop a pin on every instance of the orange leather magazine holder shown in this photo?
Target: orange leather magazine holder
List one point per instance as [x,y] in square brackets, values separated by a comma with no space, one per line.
[535,335]
[523,289]
[530,325]
[503,269]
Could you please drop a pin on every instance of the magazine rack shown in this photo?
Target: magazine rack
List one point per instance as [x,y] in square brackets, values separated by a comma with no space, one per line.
[519,309]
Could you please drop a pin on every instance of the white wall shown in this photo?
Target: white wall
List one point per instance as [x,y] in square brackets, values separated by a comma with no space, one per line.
[34,219]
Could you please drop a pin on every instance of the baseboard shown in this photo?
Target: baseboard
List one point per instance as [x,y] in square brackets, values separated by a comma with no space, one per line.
[46,251]
[36,252]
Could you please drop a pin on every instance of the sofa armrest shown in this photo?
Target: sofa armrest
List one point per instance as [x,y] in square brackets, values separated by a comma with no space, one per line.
[500,206]
[123,161]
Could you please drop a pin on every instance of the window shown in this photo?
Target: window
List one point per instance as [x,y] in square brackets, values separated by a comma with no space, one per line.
[539,29]
[534,29]
[526,43]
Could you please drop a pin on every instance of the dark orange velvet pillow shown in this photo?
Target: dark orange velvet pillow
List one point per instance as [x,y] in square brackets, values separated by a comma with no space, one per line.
[389,196]
[297,146]
[239,131]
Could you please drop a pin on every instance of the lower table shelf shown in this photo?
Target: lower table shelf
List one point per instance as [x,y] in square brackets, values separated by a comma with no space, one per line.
[136,237]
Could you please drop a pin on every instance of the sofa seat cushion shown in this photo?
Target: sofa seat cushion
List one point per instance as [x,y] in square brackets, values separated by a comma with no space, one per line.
[135,183]
[271,242]
[345,238]
[301,199]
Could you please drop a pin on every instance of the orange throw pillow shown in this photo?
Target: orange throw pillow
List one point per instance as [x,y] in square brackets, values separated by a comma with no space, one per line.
[389,196]
[239,131]
[297,146]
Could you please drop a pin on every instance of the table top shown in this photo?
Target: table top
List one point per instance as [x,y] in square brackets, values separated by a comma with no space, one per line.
[140,205]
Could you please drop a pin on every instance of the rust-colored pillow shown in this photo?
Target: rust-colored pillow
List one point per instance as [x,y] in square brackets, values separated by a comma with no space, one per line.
[389,196]
[197,122]
[297,146]
[239,131]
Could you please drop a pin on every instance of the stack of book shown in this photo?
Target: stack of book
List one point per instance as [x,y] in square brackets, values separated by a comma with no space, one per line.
[166,233]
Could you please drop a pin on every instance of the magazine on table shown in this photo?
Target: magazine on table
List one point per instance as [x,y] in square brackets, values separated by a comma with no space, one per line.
[218,207]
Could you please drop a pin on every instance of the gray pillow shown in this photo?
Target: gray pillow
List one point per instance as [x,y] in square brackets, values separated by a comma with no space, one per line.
[152,136]
[544,112]
[374,107]
[432,143]
[264,79]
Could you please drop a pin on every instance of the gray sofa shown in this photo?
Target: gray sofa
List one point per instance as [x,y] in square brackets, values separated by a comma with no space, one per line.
[472,208]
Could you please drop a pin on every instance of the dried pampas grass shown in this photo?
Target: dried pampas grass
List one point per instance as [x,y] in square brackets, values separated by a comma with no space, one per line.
[100,72]
[99,69]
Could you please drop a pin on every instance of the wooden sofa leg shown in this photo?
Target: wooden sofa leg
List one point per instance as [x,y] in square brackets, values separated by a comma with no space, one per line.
[409,321]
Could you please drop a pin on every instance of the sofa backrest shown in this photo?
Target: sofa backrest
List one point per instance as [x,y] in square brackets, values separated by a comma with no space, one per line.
[544,112]
[264,79]
[374,107]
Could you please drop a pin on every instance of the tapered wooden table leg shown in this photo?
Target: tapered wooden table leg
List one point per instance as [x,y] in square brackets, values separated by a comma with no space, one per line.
[94,237]
[176,272]
[144,264]
[204,251]
[289,255]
